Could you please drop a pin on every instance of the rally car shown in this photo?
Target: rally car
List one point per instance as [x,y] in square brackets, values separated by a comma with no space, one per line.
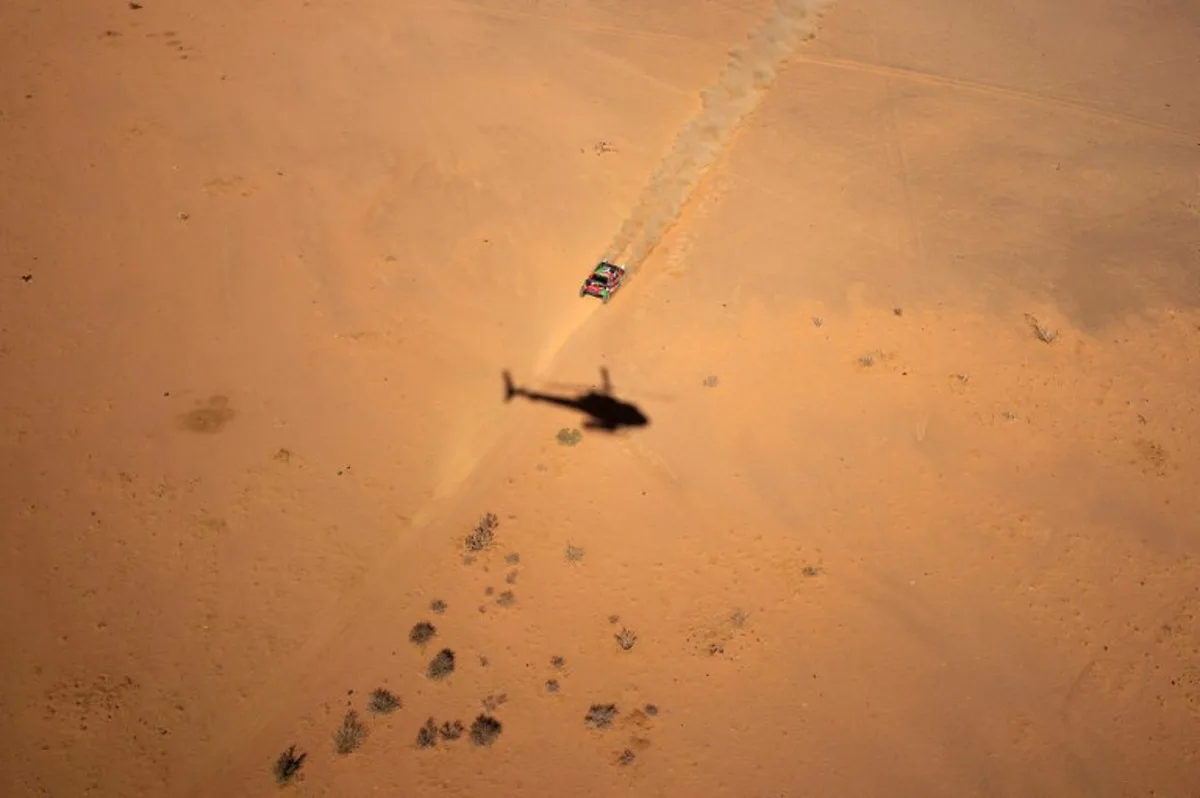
[603,282]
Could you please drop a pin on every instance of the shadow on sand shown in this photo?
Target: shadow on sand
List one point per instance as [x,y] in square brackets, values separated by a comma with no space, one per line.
[604,411]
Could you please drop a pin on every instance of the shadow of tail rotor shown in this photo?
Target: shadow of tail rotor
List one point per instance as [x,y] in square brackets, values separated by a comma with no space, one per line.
[510,390]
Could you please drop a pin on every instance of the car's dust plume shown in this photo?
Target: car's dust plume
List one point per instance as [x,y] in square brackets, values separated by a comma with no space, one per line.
[724,105]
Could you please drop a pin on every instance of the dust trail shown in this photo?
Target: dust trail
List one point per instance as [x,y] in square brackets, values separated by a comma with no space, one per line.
[724,105]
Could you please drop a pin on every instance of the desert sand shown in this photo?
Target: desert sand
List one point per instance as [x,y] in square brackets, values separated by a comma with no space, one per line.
[917,334]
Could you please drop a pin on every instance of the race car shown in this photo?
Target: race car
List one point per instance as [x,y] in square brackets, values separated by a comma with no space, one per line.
[603,282]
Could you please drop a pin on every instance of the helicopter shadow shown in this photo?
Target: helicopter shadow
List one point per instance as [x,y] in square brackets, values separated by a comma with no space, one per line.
[603,411]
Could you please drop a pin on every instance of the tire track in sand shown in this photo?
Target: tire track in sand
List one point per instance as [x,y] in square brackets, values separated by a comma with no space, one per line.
[724,106]
[1054,102]
[749,72]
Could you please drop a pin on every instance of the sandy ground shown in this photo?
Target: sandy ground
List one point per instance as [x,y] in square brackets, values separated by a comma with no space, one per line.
[264,262]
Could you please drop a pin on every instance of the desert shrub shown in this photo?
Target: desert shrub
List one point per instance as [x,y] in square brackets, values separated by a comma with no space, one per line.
[287,767]
[485,730]
[441,665]
[383,701]
[422,633]
[484,533]
[350,735]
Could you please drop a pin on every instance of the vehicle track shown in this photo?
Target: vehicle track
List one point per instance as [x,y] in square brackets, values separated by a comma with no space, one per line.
[333,634]
[993,90]
[725,106]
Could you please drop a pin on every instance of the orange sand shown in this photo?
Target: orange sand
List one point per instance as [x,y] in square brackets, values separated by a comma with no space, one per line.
[279,252]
